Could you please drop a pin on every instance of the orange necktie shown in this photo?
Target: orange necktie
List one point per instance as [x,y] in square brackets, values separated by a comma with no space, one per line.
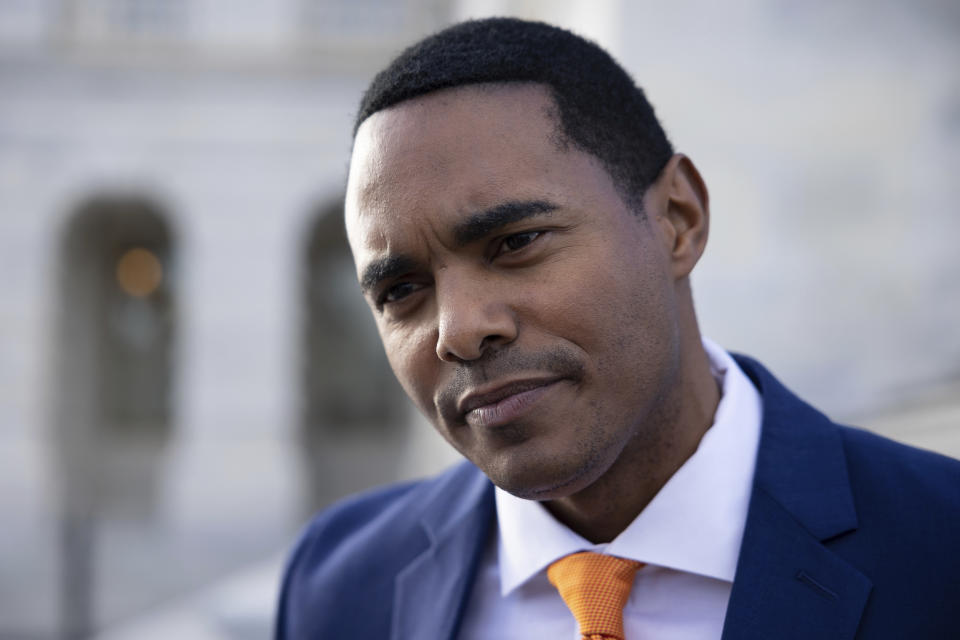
[595,588]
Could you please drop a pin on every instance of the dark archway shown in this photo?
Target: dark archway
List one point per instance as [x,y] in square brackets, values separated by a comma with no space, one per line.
[114,367]
[354,413]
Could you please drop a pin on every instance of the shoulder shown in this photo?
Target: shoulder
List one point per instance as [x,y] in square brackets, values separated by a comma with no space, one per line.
[343,542]
[907,481]
[894,491]
[348,556]
[394,511]
[362,514]
[876,463]
[895,478]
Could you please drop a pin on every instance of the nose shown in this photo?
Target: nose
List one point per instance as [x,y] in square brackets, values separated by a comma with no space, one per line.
[473,316]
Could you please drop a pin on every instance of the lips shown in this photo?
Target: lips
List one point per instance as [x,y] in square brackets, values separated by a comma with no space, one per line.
[503,403]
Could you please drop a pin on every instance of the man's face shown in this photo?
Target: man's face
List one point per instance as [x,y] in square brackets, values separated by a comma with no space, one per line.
[523,307]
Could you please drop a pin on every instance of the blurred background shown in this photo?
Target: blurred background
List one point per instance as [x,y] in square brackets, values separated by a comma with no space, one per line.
[187,371]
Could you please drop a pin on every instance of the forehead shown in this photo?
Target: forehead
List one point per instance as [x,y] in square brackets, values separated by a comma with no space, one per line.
[431,133]
[450,149]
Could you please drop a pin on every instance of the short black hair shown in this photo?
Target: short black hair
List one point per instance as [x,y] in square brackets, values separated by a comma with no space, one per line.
[601,110]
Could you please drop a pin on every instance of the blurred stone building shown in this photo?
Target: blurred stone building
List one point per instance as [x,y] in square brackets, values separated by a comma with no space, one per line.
[187,369]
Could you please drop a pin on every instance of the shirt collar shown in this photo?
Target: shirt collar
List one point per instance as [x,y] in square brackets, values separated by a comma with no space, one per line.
[694,524]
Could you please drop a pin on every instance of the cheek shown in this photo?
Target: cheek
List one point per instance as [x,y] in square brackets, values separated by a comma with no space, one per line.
[412,356]
[591,298]
[620,309]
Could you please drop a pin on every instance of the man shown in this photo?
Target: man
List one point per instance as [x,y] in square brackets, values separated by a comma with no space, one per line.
[524,235]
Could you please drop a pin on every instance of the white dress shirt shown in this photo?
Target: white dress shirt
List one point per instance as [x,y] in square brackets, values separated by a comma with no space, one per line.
[689,537]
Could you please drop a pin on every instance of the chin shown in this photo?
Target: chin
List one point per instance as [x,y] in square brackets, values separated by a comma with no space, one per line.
[543,479]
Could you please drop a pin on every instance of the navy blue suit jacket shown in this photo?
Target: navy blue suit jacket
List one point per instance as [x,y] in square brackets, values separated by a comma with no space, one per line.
[848,535]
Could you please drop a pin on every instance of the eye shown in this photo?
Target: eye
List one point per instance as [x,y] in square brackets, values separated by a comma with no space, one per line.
[518,241]
[397,292]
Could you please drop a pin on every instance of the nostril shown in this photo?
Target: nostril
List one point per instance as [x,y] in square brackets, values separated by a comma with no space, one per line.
[491,341]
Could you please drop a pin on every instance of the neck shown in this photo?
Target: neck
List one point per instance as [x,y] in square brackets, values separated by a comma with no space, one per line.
[668,437]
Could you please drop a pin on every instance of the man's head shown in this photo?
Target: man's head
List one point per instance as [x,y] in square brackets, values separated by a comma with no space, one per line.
[598,107]
[542,326]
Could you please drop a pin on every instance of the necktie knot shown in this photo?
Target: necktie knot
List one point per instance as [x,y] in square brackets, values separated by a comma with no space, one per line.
[595,588]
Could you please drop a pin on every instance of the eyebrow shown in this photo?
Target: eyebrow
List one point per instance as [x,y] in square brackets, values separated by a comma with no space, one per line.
[482,223]
[475,227]
[383,269]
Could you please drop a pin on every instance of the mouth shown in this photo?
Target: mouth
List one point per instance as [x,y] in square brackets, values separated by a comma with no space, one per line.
[504,403]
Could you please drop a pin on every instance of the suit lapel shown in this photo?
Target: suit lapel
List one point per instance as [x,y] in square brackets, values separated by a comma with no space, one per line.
[788,583]
[431,592]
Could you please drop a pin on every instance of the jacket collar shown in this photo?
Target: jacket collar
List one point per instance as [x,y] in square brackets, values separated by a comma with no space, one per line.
[788,582]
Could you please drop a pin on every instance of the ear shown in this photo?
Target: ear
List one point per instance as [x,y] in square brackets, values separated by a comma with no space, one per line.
[679,206]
